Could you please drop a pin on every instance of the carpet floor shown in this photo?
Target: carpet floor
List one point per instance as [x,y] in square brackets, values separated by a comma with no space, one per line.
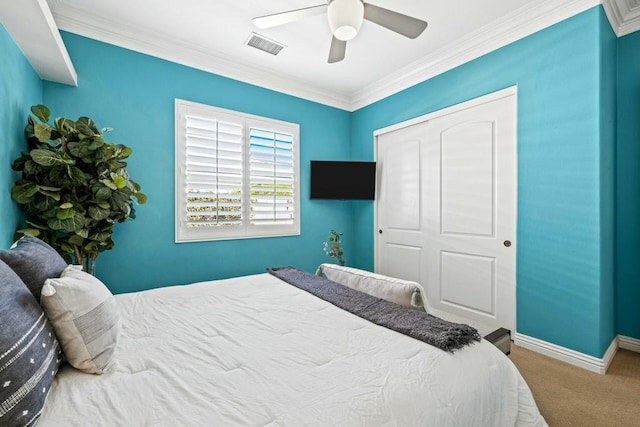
[571,396]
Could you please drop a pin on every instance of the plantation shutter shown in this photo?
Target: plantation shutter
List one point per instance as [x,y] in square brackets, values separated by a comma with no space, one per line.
[236,175]
[271,177]
[214,176]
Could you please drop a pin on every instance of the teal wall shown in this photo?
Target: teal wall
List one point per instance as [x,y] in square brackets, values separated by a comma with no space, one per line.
[134,94]
[608,136]
[20,88]
[628,195]
[563,278]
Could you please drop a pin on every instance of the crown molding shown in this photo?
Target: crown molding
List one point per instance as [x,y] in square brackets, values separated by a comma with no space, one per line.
[34,30]
[515,26]
[88,25]
[624,15]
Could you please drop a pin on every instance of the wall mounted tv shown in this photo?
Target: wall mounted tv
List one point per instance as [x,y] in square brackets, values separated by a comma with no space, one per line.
[343,180]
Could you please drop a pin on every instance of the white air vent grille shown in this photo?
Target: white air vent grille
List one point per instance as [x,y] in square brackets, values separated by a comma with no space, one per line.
[633,4]
[264,44]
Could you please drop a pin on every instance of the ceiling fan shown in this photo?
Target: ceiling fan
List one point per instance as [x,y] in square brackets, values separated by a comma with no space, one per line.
[345,18]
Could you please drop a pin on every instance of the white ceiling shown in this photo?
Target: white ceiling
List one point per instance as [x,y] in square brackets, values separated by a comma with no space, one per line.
[210,35]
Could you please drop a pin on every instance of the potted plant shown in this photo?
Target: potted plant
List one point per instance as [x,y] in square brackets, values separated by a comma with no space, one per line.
[332,247]
[74,186]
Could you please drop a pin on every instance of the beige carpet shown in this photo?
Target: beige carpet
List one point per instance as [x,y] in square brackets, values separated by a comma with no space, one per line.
[571,396]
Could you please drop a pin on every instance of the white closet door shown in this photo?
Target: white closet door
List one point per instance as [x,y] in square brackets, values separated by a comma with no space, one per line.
[399,204]
[456,209]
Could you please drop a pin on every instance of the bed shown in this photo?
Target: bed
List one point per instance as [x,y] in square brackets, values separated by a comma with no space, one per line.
[257,351]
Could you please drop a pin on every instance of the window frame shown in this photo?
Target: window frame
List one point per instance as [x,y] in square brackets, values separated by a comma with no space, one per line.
[184,234]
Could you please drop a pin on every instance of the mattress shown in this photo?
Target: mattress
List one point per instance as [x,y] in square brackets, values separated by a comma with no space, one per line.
[255,351]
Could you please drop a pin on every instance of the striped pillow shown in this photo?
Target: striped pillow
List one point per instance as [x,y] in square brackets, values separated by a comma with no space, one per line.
[29,352]
[85,318]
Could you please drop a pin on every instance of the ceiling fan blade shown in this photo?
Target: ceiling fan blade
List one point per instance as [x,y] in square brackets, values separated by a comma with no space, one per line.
[394,21]
[276,19]
[337,50]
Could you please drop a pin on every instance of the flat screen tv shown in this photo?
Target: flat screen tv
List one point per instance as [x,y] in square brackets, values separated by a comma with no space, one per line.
[343,180]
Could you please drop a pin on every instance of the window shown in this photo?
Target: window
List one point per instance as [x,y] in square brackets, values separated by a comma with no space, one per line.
[236,175]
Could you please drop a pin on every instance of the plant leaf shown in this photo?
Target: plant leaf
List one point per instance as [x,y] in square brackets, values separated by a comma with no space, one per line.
[20,163]
[109,184]
[38,226]
[98,213]
[55,196]
[103,194]
[78,149]
[64,126]
[65,213]
[99,237]
[67,225]
[115,165]
[66,248]
[95,143]
[29,231]
[42,132]
[66,205]
[92,247]
[83,125]
[76,239]
[119,181]
[23,192]
[45,157]
[44,204]
[141,197]
[77,176]
[41,112]
[123,152]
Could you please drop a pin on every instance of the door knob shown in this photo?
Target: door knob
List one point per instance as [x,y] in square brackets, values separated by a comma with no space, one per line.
[507,243]
[380,231]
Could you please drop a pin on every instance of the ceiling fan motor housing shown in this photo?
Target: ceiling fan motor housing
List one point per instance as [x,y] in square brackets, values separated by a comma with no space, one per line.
[345,18]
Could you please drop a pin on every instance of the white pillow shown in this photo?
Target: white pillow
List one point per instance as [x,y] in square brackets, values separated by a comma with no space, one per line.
[403,292]
[85,319]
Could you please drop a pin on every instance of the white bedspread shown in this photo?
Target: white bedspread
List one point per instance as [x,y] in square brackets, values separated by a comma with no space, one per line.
[255,351]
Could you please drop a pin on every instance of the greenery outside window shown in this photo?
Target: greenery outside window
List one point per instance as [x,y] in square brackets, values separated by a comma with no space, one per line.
[236,175]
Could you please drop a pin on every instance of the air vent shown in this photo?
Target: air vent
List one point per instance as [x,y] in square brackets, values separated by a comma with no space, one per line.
[264,44]
[633,4]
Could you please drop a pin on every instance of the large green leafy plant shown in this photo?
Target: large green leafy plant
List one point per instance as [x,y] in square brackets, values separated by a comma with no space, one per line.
[74,186]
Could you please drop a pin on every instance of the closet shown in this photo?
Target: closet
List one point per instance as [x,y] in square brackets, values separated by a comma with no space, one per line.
[445,212]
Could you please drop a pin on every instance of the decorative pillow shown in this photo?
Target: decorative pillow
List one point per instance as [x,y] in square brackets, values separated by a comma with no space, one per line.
[85,318]
[29,352]
[399,291]
[34,261]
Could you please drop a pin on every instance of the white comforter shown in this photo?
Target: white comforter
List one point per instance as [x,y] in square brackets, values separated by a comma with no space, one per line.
[255,351]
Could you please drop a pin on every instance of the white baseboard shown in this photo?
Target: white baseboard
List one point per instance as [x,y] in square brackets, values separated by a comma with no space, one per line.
[629,343]
[567,355]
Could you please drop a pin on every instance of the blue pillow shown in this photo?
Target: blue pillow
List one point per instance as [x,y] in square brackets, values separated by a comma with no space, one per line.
[29,352]
[34,261]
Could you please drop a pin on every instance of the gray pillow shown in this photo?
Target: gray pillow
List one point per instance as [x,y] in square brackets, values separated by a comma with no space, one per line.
[29,352]
[85,318]
[34,261]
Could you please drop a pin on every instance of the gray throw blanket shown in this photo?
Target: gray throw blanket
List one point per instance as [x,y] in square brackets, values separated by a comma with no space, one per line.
[415,323]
